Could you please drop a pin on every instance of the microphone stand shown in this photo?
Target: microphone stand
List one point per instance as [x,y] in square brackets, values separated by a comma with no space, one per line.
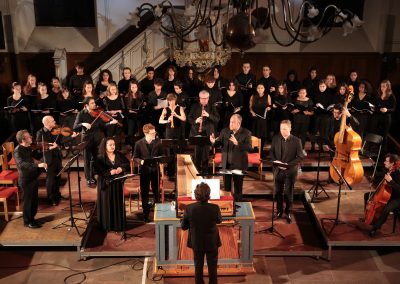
[336,221]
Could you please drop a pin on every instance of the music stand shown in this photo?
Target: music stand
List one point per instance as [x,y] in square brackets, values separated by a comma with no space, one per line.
[80,147]
[336,220]
[317,184]
[272,229]
[199,140]
[72,219]
[125,235]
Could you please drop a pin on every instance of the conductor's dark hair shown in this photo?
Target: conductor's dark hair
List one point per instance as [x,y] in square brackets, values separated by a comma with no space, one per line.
[202,192]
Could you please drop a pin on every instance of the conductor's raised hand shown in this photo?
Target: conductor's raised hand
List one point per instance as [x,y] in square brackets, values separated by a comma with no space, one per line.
[233,140]
[86,125]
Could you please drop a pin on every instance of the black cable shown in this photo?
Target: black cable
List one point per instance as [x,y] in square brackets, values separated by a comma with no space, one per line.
[97,269]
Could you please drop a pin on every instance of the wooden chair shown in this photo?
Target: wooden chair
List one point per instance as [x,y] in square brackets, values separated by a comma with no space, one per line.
[8,152]
[130,191]
[253,158]
[6,193]
[7,177]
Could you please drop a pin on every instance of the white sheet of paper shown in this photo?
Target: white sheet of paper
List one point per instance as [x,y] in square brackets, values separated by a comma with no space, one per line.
[212,183]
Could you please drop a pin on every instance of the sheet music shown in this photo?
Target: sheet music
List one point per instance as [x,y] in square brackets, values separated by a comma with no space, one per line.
[163,103]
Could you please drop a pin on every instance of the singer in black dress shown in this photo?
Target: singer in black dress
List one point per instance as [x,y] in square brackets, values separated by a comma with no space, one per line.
[110,195]
[18,109]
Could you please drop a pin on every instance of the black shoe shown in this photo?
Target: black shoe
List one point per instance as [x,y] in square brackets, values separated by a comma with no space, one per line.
[32,225]
[288,218]
[372,233]
[277,215]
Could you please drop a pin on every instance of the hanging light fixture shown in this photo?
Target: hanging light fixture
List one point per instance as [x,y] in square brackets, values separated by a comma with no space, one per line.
[205,31]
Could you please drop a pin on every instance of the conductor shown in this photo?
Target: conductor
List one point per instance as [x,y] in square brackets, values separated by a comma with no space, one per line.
[201,218]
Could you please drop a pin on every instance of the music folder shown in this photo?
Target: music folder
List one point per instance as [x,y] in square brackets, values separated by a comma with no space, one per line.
[280,164]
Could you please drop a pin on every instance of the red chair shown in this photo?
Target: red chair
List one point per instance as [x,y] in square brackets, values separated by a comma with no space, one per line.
[7,177]
[8,151]
[6,193]
[253,158]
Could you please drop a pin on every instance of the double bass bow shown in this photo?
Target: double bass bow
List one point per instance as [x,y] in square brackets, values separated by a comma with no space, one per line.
[379,199]
[348,143]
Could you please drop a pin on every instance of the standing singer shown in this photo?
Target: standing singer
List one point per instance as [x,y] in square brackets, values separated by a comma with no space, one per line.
[286,149]
[236,142]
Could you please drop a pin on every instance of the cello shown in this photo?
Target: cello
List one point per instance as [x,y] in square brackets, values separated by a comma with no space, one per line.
[379,199]
[348,144]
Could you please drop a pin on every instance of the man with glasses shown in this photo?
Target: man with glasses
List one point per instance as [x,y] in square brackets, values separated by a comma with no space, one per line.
[146,148]
[29,172]
[203,117]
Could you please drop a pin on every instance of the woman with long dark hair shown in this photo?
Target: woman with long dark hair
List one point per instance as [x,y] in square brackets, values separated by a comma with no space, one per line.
[18,110]
[110,194]
[135,105]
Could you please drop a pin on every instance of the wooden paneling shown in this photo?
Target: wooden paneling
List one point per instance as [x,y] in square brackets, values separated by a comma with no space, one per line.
[340,64]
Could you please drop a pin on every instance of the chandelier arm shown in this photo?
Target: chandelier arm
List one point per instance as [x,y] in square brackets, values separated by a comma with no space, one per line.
[218,15]
[293,40]
[273,15]
[213,38]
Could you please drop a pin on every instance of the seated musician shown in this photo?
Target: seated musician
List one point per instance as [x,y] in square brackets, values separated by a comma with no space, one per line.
[146,148]
[201,218]
[236,142]
[392,178]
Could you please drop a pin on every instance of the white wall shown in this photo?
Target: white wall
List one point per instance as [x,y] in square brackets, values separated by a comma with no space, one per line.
[112,18]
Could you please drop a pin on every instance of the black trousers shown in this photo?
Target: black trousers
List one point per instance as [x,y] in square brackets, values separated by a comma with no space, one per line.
[300,127]
[284,183]
[89,154]
[201,154]
[30,198]
[392,205]
[237,186]
[53,181]
[149,175]
[380,124]
[212,261]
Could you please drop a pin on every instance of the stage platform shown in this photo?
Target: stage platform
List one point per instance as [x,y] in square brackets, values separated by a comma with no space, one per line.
[306,236]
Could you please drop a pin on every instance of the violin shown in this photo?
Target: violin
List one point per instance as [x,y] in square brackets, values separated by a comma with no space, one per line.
[43,146]
[379,199]
[62,130]
[348,144]
[103,115]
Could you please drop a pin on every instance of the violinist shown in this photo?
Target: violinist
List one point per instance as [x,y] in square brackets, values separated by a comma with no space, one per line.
[29,172]
[392,178]
[52,157]
[91,125]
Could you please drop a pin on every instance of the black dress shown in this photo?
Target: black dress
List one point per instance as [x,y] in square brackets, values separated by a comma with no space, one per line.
[110,196]
[114,130]
[19,118]
[230,104]
[259,106]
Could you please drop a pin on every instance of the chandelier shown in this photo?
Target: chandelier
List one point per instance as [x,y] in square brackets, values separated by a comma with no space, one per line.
[203,32]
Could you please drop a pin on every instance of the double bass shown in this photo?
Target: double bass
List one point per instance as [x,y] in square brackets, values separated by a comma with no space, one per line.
[348,143]
[379,199]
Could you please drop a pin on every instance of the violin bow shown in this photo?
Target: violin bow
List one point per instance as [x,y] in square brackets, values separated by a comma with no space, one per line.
[44,156]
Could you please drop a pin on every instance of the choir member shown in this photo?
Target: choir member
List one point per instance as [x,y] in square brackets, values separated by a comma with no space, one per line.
[292,83]
[233,102]
[114,105]
[361,108]
[171,74]
[156,102]
[260,105]
[123,84]
[67,107]
[246,82]
[105,78]
[110,164]
[269,82]
[147,84]
[220,82]
[135,104]
[281,102]
[77,80]
[18,109]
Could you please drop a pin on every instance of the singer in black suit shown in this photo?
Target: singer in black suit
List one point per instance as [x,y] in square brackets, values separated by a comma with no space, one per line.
[287,149]
[203,117]
[52,157]
[201,218]
[146,148]
[28,177]
[236,142]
